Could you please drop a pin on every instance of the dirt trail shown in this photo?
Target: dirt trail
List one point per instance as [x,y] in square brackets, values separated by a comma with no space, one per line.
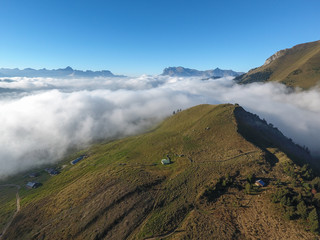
[230,158]
[16,212]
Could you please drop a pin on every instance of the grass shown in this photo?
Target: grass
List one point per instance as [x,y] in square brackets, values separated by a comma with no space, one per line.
[298,67]
[7,204]
[121,189]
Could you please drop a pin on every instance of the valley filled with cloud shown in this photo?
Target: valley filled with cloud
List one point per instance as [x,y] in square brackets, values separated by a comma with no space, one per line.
[42,118]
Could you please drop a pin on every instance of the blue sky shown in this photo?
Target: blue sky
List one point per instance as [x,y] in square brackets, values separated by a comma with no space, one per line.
[144,36]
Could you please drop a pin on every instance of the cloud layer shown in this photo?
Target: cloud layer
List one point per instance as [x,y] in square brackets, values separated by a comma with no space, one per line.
[41,118]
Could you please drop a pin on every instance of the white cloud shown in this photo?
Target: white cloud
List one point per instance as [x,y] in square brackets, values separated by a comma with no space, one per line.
[52,115]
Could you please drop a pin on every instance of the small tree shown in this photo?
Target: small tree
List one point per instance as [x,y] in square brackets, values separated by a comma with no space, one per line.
[304,167]
[250,178]
[302,210]
[289,201]
[313,220]
[283,201]
[299,198]
[224,183]
[316,183]
[289,214]
[248,188]
[316,199]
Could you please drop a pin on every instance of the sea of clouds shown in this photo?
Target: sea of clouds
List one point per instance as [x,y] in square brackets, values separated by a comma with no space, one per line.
[42,118]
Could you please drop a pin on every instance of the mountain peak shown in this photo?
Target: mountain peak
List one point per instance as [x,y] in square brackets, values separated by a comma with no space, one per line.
[188,72]
[295,67]
[67,72]
[68,68]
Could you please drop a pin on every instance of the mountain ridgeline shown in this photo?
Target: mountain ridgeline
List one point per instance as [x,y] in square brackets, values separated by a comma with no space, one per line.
[298,66]
[67,72]
[187,72]
[120,190]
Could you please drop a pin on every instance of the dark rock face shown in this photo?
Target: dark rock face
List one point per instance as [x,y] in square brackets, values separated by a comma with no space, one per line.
[266,135]
[262,76]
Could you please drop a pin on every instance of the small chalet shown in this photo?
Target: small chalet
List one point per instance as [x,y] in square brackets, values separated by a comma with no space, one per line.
[33,185]
[165,161]
[73,162]
[260,183]
[52,171]
[33,175]
[48,170]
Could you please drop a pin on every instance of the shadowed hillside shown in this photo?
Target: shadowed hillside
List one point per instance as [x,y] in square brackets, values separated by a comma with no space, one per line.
[122,191]
[298,66]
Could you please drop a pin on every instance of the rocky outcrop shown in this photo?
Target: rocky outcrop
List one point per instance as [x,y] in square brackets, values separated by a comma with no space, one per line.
[275,56]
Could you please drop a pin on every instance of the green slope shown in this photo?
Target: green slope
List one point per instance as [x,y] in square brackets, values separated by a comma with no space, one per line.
[122,191]
[298,66]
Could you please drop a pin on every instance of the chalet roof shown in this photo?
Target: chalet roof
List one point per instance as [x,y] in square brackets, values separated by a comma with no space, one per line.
[54,172]
[33,184]
[260,182]
[165,161]
[77,160]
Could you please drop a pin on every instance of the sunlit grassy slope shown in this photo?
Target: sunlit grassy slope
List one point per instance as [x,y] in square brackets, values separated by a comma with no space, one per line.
[122,191]
[296,67]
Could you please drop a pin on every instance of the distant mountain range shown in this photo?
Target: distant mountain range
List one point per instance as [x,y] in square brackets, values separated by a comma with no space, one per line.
[61,72]
[69,72]
[187,72]
[298,66]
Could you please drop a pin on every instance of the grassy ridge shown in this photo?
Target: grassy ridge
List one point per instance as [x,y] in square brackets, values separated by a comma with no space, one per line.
[298,66]
[122,191]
